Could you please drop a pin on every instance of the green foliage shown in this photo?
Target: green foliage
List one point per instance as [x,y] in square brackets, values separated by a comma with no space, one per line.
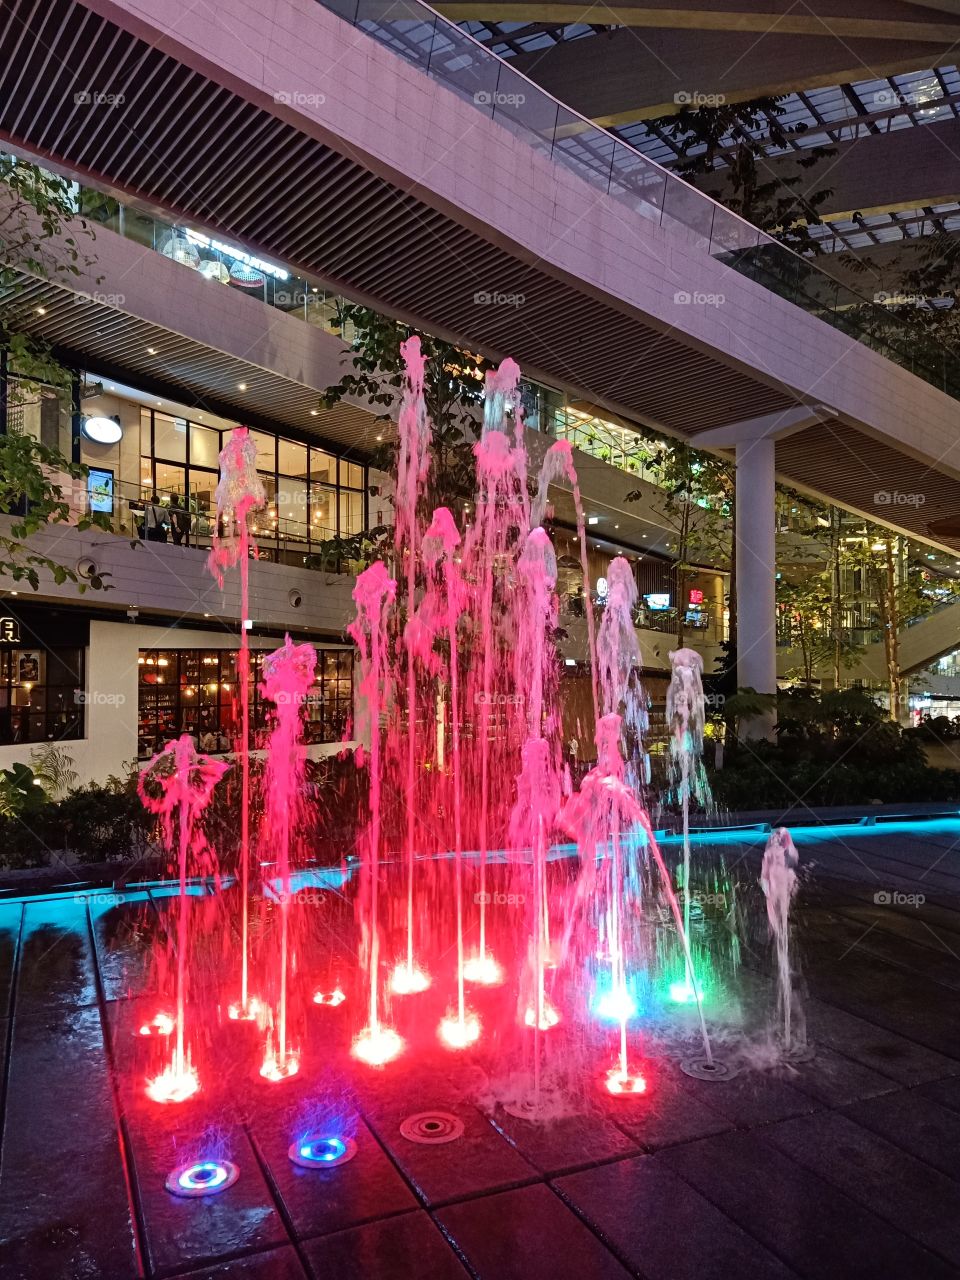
[453,391]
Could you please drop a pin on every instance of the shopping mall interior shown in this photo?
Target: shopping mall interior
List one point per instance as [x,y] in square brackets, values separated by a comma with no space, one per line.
[479,639]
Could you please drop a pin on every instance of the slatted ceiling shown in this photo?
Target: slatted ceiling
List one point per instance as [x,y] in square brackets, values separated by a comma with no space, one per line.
[100,336]
[842,460]
[187,144]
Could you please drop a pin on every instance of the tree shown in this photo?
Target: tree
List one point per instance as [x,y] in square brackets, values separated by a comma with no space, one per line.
[40,236]
[724,151]
[696,502]
[453,390]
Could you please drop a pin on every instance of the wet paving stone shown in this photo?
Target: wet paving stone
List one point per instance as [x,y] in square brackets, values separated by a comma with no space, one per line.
[915,1198]
[56,956]
[276,1264]
[835,1081]
[884,1051]
[124,928]
[567,1142]
[917,1124]
[400,1248]
[11,915]
[808,1223]
[527,1234]
[667,1113]
[64,1207]
[664,1229]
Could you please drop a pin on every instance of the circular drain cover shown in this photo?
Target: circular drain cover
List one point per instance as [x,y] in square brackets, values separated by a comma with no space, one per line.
[700,1069]
[319,1151]
[797,1054]
[202,1177]
[432,1127]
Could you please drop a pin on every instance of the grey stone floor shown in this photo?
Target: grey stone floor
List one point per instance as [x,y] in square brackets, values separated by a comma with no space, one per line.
[847,1166]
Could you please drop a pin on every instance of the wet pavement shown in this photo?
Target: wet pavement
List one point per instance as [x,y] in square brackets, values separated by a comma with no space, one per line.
[845,1166]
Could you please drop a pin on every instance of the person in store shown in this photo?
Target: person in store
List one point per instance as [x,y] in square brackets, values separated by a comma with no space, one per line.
[181,522]
[155,520]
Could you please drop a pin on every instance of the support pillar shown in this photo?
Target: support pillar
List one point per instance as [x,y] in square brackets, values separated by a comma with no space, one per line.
[756,576]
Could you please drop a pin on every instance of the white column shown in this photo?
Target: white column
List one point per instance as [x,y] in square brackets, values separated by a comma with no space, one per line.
[756,576]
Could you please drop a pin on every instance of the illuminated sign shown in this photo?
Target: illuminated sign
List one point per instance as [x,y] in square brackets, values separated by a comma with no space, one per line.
[102,430]
[658,601]
[9,631]
[696,595]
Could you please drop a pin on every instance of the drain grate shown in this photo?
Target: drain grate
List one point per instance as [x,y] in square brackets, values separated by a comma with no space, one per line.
[432,1127]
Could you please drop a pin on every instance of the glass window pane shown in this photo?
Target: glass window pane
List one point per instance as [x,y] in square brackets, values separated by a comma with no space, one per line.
[291,505]
[204,446]
[266,451]
[323,467]
[171,481]
[203,488]
[351,474]
[170,436]
[351,514]
[323,513]
[292,458]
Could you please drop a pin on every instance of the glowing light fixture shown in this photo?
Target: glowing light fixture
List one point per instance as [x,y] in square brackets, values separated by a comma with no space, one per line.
[102,430]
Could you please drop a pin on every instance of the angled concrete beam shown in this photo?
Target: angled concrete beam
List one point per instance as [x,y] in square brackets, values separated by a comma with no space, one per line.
[772,426]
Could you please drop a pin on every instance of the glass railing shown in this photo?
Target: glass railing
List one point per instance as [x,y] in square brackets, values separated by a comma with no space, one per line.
[469,69]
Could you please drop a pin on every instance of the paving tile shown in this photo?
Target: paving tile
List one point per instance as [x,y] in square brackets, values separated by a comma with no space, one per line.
[918,1124]
[667,1113]
[662,1227]
[480,1161]
[526,1234]
[64,1208]
[836,1081]
[10,917]
[275,1264]
[567,1142]
[397,1248]
[56,956]
[751,1098]
[912,1196]
[805,1221]
[124,932]
[884,1051]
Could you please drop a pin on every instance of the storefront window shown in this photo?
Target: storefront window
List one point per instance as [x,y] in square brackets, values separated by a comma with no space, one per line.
[195,691]
[41,695]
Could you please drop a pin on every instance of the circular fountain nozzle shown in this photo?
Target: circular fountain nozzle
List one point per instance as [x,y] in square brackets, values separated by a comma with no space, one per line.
[320,1151]
[432,1128]
[701,1069]
[202,1178]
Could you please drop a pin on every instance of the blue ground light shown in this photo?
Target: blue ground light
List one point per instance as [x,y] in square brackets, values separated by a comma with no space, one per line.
[202,1178]
[321,1152]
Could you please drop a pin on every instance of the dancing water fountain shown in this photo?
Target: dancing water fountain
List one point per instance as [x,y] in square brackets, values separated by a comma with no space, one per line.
[240,492]
[778,879]
[177,785]
[686,717]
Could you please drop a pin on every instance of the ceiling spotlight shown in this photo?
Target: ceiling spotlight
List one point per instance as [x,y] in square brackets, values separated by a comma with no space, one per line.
[242,386]
[151,351]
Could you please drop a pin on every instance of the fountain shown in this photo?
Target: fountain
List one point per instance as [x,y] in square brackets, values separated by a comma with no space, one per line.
[778,879]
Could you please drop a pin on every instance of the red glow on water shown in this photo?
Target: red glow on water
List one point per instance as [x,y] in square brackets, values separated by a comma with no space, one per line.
[405,981]
[160,1025]
[173,1084]
[623,1084]
[252,1012]
[549,1017]
[332,998]
[483,970]
[276,1071]
[376,1046]
[459,1033]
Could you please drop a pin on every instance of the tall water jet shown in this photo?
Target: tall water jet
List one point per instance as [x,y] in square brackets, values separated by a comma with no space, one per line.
[502,514]
[177,785]
[778,879]
[413,465]
[374,593]
[287,676]
[440,544]
[538,786]
[557,463]
[239,492]
[686,714]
